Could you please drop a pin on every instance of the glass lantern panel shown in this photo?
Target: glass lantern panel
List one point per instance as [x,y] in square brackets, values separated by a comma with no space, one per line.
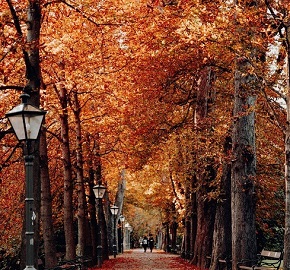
[26,121]
[99,191]
[114,210]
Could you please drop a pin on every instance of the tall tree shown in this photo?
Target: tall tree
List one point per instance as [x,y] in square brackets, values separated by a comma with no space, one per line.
[67,169]
[81,213]
[243,172]
[91,199]
[205,174]
[280,25]
[243,166]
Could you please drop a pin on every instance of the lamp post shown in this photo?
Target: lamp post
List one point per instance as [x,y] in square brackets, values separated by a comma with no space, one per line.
[99,191]
[114,211]
[130,229]
[122,219]
[127,238]
[26,121]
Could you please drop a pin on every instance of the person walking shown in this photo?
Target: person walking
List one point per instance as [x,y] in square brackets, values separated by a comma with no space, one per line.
[145,243]
[151,242]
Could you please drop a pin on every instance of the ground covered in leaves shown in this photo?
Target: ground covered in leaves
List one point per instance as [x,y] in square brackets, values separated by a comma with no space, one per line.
[137,259]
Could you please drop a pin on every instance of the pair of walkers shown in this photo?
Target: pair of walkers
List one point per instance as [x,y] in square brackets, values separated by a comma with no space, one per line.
[148,243]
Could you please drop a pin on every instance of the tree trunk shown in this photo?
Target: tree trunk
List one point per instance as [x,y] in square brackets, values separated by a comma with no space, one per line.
[119,200]
[92,203]
[193,221]
[167,238]
[103,216]
[243,173]
[222,236]
[81,212]
[173,228]
[93,217]
[187,222]
[46,207]
[67,175]
[205,208]
[243,165]
[121,193]
[205,224]
[105,222]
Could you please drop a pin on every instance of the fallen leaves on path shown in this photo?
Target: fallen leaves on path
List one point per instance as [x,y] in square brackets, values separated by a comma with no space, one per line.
[143,263]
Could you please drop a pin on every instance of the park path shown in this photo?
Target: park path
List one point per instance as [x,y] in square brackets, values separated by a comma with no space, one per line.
[137,259]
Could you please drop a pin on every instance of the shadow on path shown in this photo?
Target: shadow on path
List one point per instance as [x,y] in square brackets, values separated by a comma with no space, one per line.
[137,259]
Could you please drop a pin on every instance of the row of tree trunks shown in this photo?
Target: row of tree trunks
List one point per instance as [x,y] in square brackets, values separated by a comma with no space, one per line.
[233,222]
[80,185]
[199,210]
[41,188]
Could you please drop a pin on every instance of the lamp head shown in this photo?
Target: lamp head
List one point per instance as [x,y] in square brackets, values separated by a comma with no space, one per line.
[26,120]
[114,210]
[99,191]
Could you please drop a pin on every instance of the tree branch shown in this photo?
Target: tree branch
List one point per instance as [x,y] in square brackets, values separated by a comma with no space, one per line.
[11,87]
[15,19]
[84,15]
[18,30]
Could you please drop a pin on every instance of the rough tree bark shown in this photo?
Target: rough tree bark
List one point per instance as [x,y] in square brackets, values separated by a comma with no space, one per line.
[81,197]
[92,201]
[67,171]
[222,240]
[246,86]
[186,250]
[205,208]
[119,200]
[243,165]
[103,216]
[193,220]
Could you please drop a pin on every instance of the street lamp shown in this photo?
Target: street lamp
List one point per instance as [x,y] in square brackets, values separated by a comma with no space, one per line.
[26,121]
[130,229]
[122,219]
[114,211]
[99,191]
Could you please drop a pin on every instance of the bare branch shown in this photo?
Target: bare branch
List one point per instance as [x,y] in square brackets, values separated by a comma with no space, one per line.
[11,87]
[4,132]
[272,111]
[15,18]
[18,29]
[87,17]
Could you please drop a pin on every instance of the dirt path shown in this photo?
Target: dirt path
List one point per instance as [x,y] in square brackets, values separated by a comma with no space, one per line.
[137,259]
